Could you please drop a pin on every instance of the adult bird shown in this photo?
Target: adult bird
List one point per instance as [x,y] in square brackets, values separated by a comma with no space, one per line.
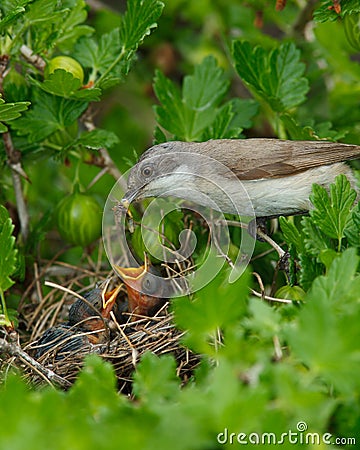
[261,177]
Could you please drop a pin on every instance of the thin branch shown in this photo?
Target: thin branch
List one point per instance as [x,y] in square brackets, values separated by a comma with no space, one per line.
[262,293]
[15,350]
[97,5]
[277,348]
[268,298]
[260,233]
[14,162]
[32,58]
[270,241]
[303,18]
[97,177]
[65,289]
[105,161]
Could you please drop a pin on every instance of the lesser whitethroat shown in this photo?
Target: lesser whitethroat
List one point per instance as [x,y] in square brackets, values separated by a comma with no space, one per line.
[276,174]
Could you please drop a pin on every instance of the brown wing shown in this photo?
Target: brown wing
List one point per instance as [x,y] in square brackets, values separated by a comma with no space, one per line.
[251,159]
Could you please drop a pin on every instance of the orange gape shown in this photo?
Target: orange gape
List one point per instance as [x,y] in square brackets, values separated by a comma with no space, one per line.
[89,314]
[144,296]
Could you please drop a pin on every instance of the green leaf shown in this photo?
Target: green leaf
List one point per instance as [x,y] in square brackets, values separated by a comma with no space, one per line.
[291,234]
[170,115]
[231,119]
[98,139]
[352,230]
[49,25]
[276,77]
[219,128]
[315,239]
[12,10]
[4,215]
[64,84]
[336,286]
[138,21]
[310,269]
[149,371]
[201,93]
[327,257]
[325,13]
[42,11]
[217,305]
[71,28]
[42,19]
[325,131]
[48,114]
[297,132]
[97,371]
[112,55]
[310,133]
[187,114]
[264,320]
[98,55]
[159,136]
[332,213]
[10,111]
[326,338]
[8,252]
[244,110]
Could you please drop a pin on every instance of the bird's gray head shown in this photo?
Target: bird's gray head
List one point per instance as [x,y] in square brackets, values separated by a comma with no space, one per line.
[160,169]
[187,171]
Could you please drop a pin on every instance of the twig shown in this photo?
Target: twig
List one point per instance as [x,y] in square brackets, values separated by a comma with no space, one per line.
[32,58]
[15,350]
[268,298]
[63,288]
[97,177]
[270,241]
[219,249]
[44,271]
[259,280]
[260,233]
[262,293]
[134,352]
[13,159]
[304,17]
[97,5]
[277,348]
[14,162]
[106,160]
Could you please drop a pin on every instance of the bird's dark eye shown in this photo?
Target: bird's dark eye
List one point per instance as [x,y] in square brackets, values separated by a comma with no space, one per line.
[150,284]
[147,171]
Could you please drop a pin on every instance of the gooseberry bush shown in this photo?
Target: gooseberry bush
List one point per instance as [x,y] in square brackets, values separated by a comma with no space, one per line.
[84,87]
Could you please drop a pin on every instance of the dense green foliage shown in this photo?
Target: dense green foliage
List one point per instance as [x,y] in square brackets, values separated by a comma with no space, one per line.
[213,69]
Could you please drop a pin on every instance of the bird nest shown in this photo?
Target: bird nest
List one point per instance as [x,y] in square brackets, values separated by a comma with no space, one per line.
[123,346]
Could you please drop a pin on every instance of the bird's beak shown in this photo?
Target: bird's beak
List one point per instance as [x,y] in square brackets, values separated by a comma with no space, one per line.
[140,304]
[108,300]
[131,274]
[128,198]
